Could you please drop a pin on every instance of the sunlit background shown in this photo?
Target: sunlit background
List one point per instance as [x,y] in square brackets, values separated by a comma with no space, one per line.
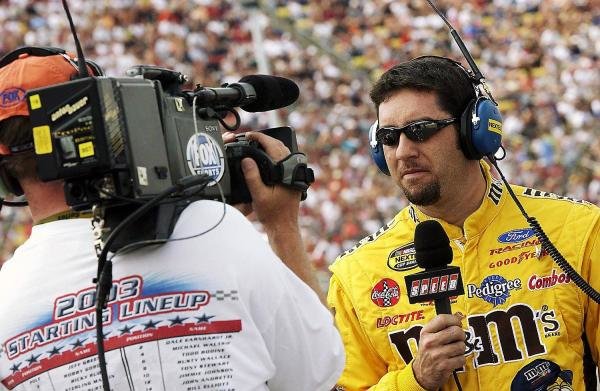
[540,57]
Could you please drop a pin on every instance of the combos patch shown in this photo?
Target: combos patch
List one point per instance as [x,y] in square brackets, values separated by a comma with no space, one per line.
[542,282]
[516,235]
[205,156]
[540,375]
[403,258]
[494,289]
[386,293]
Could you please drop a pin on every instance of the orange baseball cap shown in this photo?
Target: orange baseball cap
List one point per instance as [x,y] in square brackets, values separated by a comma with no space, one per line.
[28,72]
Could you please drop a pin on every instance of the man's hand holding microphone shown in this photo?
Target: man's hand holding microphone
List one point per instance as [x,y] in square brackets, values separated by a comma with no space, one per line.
[442,340]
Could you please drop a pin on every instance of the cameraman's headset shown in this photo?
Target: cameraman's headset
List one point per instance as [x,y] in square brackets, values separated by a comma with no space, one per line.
[480,132]
[8,183]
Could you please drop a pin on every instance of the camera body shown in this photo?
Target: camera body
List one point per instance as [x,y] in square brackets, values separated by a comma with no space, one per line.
[119,142]
[132,138]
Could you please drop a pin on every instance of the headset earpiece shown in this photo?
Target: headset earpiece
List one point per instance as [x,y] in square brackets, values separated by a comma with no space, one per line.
[480,128]
[9,185]
[42,51]
[377,149]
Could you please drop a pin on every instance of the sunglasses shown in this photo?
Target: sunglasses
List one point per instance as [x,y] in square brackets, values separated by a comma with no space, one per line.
[418,131]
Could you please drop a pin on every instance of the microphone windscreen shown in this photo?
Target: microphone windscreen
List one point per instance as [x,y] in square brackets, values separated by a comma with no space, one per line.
[272,92]
[432,246]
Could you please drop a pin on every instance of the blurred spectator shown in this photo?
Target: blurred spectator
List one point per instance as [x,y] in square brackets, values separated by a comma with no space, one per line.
[540,58]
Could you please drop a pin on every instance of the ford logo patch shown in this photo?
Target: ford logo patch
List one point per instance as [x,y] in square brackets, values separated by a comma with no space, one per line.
[516,235]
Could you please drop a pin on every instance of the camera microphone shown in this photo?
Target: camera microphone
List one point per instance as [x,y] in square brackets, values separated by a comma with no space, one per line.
[438,282]
[252,93]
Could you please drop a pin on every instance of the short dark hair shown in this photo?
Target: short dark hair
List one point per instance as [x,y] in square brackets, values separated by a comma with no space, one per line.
[17,131]
[451,83]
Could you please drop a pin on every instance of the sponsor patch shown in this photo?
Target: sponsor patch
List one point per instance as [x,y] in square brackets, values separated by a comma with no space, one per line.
[550,325]
[495,126]
[494,289]
[11,97]
[403,258]
[385,321]
[537,282]
[496,337]
[516,235]
[517,246]
[542,375]
[515,260]
[386,293]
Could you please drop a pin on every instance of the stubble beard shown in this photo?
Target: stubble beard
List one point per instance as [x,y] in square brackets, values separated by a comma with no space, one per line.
[423,195]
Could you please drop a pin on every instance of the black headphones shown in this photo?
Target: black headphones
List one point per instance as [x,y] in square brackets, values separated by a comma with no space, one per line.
[8,183]
[43,51]
[480,132]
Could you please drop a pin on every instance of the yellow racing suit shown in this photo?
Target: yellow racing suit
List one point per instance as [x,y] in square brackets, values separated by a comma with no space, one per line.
[528,326]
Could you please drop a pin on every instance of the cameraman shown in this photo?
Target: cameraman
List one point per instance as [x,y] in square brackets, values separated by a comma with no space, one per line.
[218,310]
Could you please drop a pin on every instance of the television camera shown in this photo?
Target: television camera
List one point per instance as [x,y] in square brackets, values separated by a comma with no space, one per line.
[119,142]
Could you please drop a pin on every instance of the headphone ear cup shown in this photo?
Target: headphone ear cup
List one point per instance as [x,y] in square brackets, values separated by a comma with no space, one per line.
[486,135]
[9,185]
[379,159]
[377,150]
[465,132]
[480,129]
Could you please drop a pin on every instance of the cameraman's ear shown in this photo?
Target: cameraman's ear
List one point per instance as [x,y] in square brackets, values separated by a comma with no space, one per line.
[4,150]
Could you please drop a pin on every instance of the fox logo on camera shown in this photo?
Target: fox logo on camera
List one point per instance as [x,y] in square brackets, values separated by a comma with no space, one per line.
[205,156]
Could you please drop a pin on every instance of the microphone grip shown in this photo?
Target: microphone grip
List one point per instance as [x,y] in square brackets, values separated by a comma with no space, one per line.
[442,306]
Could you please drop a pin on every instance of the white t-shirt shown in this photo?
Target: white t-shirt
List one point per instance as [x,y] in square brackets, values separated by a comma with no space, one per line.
[215,312]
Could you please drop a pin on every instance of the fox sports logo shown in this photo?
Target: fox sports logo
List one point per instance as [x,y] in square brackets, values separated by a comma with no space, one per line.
[205,156]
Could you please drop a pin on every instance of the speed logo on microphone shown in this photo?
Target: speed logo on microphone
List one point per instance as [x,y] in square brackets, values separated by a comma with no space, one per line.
[434,284]
[205,156]
[437,284]
[494,289]
[386,293]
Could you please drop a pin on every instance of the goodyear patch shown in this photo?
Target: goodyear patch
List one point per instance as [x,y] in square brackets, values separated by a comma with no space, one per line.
[402,258]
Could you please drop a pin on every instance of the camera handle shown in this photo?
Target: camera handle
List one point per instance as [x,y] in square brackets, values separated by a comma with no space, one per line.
[292,171]
[295,173]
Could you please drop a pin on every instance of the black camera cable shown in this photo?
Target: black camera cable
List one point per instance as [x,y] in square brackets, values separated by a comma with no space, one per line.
[104,275]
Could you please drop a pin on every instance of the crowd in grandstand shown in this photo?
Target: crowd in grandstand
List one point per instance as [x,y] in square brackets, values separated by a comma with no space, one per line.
[540,57]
